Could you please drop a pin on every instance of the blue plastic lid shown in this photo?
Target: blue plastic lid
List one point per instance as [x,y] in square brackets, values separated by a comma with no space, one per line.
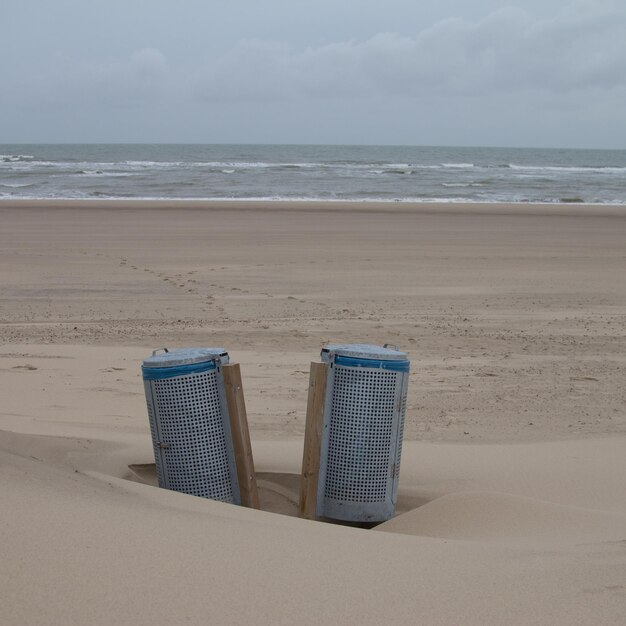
[181,362]
[366,356]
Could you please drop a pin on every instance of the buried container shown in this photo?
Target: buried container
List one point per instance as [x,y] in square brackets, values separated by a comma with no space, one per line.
[189,422]
[361,438]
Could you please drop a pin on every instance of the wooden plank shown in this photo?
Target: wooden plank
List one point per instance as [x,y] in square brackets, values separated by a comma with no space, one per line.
[241,436]
[313,440]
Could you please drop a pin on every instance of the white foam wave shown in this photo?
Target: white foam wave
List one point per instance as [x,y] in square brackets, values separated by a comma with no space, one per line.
[568,168]
[463,166]
[387,171]
[150,164]
[216,164]
[297,199]
[100,173]
[12,158]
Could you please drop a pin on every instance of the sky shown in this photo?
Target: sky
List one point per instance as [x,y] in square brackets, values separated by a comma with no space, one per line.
[527,73]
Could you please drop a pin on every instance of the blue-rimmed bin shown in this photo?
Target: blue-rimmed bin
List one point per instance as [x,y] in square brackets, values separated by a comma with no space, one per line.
[363,424]
[189,422]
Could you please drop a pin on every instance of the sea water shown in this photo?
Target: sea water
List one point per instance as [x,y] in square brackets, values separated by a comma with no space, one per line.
[312,172]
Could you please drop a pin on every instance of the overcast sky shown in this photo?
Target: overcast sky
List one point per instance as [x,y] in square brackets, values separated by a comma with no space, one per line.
[448,72]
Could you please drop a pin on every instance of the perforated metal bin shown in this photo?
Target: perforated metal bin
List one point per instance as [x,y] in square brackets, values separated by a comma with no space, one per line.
[189,422]
[361,444]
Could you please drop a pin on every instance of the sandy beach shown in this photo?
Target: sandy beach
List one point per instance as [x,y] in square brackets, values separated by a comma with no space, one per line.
[512,497]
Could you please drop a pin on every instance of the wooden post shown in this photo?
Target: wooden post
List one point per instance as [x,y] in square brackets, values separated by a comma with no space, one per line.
[313,440]
[241,436]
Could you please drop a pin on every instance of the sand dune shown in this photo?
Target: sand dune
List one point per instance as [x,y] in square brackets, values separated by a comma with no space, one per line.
[489,516]
[86,545]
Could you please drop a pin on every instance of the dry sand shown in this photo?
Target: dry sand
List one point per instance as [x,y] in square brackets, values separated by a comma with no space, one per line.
[512,505]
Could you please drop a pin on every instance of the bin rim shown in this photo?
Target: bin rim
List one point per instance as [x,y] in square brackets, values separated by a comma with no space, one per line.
[363,351]
[183,356]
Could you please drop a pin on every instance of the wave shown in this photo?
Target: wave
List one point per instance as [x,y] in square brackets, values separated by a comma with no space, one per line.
[463,166]
[218,165]
[569,168]
[149,164]
[394,171]
[101,195]
[572,200]
[365,199]
[133,165]
[400,175]
[88,173]
[15,158]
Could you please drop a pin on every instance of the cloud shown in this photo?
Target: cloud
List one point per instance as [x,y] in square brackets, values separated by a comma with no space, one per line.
[507,51]
[580,49]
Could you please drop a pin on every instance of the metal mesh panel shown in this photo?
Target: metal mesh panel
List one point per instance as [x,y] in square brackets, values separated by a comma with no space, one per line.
[155,437]
[190,420]
[359,446]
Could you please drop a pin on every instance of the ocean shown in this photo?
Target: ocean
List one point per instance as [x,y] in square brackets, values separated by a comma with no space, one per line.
[312,172]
